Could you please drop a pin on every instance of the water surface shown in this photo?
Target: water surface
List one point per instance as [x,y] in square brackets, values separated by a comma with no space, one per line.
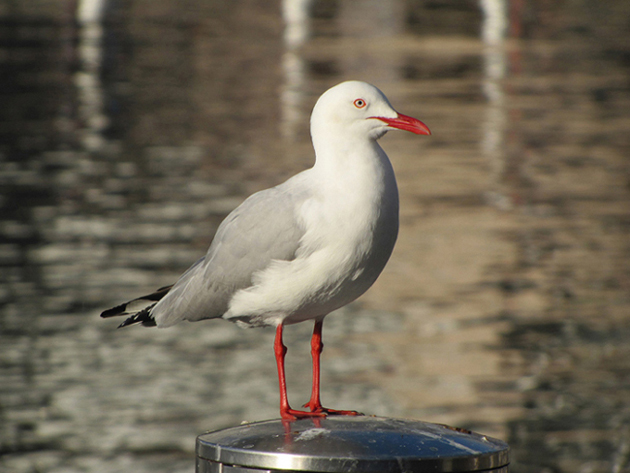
[130,129]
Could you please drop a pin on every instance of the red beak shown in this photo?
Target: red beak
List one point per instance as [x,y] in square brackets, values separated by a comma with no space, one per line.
[403,122]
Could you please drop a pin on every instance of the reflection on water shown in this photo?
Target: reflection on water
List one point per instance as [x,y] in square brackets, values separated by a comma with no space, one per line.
[129,129]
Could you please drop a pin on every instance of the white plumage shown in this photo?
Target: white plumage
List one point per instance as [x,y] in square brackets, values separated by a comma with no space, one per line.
[308,246]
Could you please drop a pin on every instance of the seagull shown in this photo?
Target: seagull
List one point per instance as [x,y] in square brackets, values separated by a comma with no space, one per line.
[304,248]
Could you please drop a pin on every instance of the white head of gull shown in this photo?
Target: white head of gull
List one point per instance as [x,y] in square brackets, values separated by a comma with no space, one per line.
[304,248]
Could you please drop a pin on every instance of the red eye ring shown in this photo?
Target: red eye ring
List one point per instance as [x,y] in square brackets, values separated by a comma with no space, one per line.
[360,103]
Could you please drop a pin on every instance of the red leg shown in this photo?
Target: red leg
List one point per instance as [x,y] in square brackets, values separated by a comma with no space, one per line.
[285,410]
[317,346]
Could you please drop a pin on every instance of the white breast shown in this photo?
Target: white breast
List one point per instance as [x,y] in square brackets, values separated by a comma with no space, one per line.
[351,227]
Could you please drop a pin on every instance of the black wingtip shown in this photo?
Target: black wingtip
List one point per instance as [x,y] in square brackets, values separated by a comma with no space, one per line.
[143,317]
[125,323]
[114,311]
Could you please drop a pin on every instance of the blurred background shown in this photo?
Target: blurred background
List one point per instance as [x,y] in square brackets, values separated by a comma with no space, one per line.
[130,128]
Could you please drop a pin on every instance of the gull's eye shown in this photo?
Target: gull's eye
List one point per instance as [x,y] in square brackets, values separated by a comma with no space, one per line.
[360,103]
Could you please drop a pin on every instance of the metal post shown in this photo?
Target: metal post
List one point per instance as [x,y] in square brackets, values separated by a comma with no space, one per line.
[349,444]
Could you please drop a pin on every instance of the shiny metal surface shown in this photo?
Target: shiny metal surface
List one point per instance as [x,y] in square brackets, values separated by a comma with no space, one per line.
[352,444]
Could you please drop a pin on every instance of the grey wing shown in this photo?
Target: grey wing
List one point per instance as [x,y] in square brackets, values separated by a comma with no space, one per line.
[261,229]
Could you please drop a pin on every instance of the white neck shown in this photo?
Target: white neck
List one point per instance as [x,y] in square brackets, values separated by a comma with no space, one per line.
[346,152]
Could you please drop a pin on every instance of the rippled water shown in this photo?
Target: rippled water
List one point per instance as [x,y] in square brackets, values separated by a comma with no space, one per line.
[128,133]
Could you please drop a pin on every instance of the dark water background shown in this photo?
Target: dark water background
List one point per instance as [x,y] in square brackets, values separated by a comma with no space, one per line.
[130,128]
